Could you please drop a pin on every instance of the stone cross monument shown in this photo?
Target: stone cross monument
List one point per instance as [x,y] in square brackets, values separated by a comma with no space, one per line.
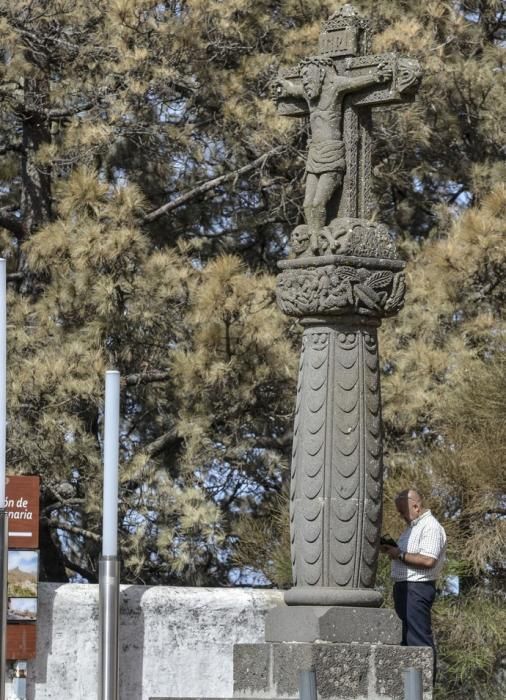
[343,278]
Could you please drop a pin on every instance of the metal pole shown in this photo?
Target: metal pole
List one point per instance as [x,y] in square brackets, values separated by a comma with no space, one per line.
[109,562]
[307,685]
[4,553]
[109,627]
[4,518]
[413,686]
[19,681]
[111,455]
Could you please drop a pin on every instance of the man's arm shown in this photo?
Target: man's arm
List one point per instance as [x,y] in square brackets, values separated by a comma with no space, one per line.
[421,561]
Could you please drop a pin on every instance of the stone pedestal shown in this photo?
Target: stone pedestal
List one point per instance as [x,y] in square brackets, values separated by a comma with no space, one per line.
[312,623]
[343,671]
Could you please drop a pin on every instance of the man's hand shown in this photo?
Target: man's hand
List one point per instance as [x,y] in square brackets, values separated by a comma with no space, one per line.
[391,552]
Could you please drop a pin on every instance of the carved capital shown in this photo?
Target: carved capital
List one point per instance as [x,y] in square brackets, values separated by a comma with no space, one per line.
[340,286]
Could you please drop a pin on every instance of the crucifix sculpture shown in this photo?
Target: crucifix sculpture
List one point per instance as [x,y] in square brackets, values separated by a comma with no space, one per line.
[324,88]
[345,277]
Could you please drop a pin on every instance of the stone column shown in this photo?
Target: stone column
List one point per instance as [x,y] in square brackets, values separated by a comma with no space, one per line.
[336,478]
[337,469]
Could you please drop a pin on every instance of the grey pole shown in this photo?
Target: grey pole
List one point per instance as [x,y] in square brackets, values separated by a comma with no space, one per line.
[109,563]
[4,553]
[307,685]
[19,681]
[109,627]
[413,687]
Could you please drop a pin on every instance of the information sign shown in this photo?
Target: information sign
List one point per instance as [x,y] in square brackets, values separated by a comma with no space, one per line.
[22,505]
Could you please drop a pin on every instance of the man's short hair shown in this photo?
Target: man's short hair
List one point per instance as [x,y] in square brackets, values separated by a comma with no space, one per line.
[410,494]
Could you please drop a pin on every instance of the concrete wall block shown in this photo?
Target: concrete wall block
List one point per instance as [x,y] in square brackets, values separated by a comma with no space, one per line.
[342,670]
[287,660]
[252,670]
[389,664]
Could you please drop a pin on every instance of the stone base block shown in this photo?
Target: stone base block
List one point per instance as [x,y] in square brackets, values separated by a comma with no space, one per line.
[343,671]
[309,623]
[333,595]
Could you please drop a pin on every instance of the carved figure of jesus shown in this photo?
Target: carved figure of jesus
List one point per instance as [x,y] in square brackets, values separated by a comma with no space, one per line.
[324,89]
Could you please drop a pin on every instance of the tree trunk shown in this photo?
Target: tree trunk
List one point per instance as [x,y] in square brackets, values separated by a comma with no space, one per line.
[36,178]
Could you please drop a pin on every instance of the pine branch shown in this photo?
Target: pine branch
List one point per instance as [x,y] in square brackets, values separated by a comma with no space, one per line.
[63,504]
[10,148]
[212,184]
[12,223]
[55,114]
[155,375]
[158,445]
[277,443]
[59,525]
[85,573]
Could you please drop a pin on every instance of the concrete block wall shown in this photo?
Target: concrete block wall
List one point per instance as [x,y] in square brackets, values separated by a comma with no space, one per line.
[343,671]
[174,642]
[179,643]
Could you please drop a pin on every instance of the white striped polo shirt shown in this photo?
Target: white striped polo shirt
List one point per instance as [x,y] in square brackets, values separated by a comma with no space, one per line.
[424,535]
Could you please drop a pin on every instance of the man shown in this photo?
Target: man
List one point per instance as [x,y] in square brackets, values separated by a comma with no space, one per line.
[417,562]
[324,90]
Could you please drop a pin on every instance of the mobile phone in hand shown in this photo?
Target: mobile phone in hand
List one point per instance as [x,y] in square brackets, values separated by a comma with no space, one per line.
[386,539]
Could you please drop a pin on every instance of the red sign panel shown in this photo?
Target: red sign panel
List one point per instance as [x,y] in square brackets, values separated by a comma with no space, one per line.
[22,504]
[21,641]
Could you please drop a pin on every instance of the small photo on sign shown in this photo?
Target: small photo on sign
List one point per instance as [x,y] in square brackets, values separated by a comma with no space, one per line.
[23,574]
[22,609]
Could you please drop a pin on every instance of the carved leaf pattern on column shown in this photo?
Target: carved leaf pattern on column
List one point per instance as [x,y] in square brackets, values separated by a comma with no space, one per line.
[311,461]
[346,459]
[295,447]
[356,460]
[373,461]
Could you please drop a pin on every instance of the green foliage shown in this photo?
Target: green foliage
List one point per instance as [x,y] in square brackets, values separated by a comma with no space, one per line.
[471,641]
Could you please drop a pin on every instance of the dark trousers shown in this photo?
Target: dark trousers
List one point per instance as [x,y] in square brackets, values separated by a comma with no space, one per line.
[413,602]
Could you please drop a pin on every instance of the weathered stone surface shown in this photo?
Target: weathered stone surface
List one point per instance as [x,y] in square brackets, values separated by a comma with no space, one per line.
[348,236]
[174,642]
[336,88]
[345,275]
[313,623]
[336,471]
[340,286]
[343,671]
[252,664]
[390,663]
